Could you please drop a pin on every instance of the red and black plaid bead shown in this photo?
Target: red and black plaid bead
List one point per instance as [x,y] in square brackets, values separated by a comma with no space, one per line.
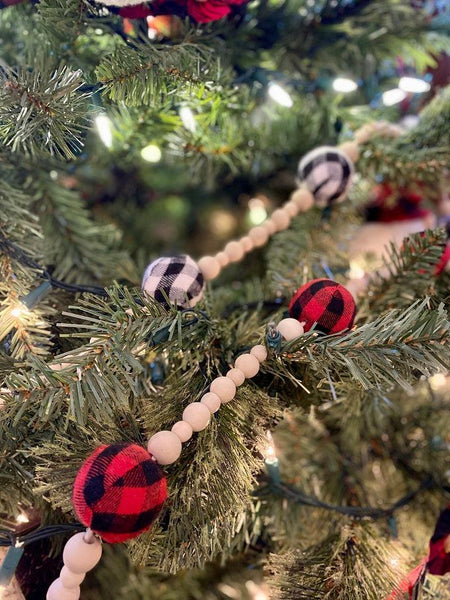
[119,491]
[324,302]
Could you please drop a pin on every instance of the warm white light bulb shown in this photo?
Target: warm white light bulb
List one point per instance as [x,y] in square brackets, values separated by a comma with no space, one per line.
[270,452]
[280,95]
[22,518]
[187,118]
[18,312]
[257,212]
[151,153]
[438,381]
[393,96]
[344,85]
[103,124]
[413,85]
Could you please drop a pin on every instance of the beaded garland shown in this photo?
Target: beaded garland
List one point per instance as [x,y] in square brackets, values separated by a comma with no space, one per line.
[100,494]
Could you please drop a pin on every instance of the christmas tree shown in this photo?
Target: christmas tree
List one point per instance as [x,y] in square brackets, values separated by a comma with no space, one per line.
[267,419]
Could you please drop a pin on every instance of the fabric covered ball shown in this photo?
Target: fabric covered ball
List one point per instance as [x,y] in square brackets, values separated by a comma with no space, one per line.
[119,2]
[177,277]
[327,173]
[119,491]
[326,303]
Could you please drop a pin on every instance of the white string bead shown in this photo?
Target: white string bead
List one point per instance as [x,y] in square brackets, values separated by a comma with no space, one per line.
[209,266]
[224,387]
[80,556]
[197,415]
[281,219]
[259,236]
[69,579]
[223,259]
[234,250]
[260,352]
[247,243]
[303,199]
[248,364]
[165,447]
[292,208]
[57,591]
[236,376]
[290,328]
[211,401]
[350,149]
[182,430]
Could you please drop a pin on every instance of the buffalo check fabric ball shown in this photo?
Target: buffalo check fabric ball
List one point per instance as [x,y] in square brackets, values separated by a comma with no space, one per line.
[327,173]
[119,491]
[326,303]
[177,278]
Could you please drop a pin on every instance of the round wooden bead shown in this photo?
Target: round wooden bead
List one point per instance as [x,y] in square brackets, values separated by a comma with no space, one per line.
[234,250]
[197,415]
[248,364]
[291,208]
[247,243]
[80,556]
[259,235]
[260,352]
[290,328]
[209,266]
[223,259]
[57,591]
[281,219]
[165,447]
[270,227]
[182,430]
[224,387]
[69,579]
[211,401]
[351,149]
[236,376]
[303,199]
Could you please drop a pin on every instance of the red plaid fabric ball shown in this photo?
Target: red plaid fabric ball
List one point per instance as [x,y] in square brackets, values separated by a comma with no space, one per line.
[119,491]
[326,303]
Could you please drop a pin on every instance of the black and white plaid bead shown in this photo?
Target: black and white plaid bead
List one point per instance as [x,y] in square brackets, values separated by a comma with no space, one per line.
[327,173]
[177,278]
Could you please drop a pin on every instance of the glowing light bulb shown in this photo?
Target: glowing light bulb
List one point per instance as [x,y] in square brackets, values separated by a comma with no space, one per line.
[270,453]
[356,271]
[256,591]
[151,153]
[438,381]
[344,85]
[187,118]
[257,212]
[18,311]
[104,129]
[393,96]
[22,518]
[280,95]
[413,85]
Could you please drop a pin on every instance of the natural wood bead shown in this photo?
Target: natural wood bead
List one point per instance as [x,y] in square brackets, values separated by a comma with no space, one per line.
[236,376]
[223,259]
[209,266]
[269,226]
[281,219]
[248,364]
[259,236]
[350,149]
[260,352]
[211,401]
[303,199]
[165,447]
[290,328]
[69,579]
[364,133]
[182,430]
[57,591]
[234,250]
[247,243]
[80,556]
[224,387]
[292,208]
[197,415]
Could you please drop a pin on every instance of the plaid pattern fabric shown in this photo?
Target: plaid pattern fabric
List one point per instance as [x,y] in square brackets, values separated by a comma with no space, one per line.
[326,303]
[175,277]
[119,491]
[327,173]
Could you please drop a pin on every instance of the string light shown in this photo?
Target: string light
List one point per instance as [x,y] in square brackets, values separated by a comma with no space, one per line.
[394,96]
[104,128]
[356,271]
[280,95]
[344,85]
[151,153]
[413,85]
[188,119]
[257,212]
[18,311]
[22,518]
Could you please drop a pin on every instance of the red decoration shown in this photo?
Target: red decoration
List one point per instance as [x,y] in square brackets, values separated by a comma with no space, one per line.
[119,491]
[201,11]
[326,303]
[390,204]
